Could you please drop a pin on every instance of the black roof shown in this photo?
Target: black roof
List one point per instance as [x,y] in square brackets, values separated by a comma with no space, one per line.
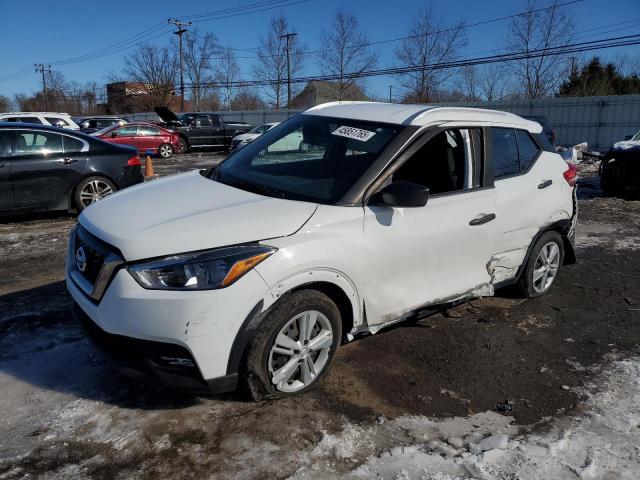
[46,128]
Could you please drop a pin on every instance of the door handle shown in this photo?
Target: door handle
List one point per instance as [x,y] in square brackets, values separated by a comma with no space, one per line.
[545,184]
[482,218]
[67,161]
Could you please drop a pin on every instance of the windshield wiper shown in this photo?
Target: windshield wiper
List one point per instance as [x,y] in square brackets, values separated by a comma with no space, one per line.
[255,188]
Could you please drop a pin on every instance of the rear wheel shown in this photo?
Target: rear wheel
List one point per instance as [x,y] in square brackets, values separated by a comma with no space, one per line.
[543,265]
[183,145]
[92,189]
[165,150]
[294,346]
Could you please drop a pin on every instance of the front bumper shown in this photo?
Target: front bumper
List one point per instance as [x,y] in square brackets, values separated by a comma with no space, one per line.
[183,339]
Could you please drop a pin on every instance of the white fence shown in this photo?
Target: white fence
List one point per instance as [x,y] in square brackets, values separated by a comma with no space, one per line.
[600,121]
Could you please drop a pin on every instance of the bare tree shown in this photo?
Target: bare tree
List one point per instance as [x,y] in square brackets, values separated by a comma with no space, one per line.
[346,54]
[271,60]
[198,50]
[227,74]
[429,42]
[469,83]
[492,83]
[247,99]
[539,31]
[156,68]
[5,103]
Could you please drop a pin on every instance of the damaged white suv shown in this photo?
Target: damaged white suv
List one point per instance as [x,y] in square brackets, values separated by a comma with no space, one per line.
[257,269]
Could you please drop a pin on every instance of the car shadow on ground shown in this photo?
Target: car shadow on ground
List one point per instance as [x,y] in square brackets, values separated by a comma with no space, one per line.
[42,345]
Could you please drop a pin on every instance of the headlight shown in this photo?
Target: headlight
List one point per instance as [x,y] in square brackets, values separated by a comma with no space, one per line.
[205,270]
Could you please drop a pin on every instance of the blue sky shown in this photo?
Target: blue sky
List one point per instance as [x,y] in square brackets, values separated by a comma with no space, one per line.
[43,31]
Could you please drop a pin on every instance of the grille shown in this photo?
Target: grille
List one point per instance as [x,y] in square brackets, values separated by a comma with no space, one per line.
[94,260]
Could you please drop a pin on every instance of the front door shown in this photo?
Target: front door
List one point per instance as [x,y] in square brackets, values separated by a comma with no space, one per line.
[202,131]
[42,175]
[125,135]
[439,252]
[6,193]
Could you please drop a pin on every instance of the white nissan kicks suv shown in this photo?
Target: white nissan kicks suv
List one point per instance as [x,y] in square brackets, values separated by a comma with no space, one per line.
[256,270]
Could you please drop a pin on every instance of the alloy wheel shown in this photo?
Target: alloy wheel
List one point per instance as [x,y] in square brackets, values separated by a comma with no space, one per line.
[300,351]
[546,267]
[93,191]
[165,151]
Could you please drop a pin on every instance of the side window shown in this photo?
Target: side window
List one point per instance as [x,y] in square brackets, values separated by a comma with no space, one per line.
[58,122]
[527,149]
[36,143]
[127,131]
[504,152]
[30,120]
[442,164]
[72,145]
[202,121]
[148,131]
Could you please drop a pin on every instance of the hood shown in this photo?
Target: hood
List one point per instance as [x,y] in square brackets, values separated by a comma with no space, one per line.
[188,212]
[627,146]
[166,115]
[246,136]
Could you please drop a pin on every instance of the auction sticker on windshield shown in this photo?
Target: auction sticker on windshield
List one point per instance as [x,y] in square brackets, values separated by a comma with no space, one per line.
[353,133]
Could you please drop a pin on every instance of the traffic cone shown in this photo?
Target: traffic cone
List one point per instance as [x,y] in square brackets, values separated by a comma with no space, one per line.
[148,166]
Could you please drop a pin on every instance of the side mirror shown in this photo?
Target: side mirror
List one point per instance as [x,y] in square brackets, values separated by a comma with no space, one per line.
[114,134]
[401,194]
[628,137]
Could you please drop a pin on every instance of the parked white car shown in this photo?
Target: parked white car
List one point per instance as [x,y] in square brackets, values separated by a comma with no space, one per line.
[62,120]
[244,138]
[256,270]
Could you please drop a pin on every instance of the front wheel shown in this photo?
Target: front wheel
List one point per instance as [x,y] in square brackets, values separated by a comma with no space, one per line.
[543,265]
[294,346]
[92,189]
[165,150]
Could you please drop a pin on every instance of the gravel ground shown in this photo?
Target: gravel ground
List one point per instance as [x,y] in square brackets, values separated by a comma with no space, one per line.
[512,364]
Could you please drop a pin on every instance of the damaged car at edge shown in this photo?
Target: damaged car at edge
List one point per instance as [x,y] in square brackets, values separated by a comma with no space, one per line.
[620,167]
[256,270]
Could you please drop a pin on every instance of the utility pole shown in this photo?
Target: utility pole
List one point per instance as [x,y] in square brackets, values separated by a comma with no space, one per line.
[181,31]
[288,36]
[390,99]
[44,69]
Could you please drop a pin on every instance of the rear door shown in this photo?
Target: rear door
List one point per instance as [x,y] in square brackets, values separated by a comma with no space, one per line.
[42,175]
[527,195]
[149,138]
[219,131]
[6,192]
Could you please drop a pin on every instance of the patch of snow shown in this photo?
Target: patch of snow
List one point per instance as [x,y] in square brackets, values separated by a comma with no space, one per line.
[602,442]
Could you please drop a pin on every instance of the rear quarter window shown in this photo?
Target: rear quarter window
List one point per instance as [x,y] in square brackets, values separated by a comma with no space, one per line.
[528,150]
[504,152]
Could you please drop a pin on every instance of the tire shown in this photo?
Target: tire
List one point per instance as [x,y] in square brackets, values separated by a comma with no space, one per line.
[286,319]
[553,246]
[609,186]
[184,145]
[165,150]
[91,190]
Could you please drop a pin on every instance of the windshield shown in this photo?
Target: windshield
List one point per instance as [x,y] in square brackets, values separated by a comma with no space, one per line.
[311,158]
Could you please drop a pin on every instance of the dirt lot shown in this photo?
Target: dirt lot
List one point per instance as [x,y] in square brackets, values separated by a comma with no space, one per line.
[68,413]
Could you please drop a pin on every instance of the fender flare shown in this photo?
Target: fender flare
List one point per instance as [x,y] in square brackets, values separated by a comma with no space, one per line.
[296,281]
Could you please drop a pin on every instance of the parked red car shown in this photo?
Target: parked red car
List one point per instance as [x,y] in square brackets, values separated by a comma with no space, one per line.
[143,136]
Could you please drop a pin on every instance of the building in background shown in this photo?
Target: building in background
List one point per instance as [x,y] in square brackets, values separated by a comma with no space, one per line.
[130,97]
[318,91]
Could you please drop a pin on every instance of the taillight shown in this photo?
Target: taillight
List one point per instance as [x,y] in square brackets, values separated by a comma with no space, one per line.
[134,161]
[571,174]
